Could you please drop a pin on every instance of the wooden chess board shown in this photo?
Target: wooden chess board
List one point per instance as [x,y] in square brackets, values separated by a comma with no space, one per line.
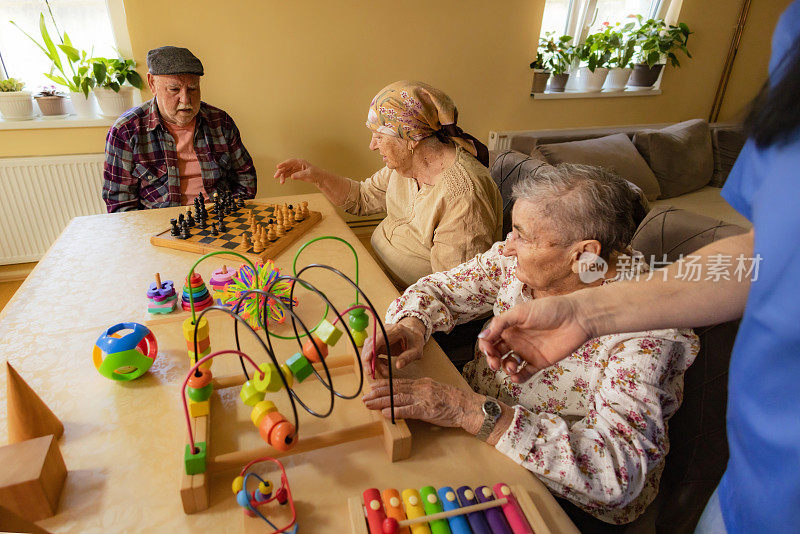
[202,242]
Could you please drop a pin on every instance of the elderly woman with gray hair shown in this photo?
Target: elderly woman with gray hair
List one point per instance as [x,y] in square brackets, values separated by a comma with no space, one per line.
[592,427]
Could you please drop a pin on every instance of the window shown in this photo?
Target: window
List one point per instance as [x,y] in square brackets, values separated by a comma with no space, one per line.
[87,22]
[582,17]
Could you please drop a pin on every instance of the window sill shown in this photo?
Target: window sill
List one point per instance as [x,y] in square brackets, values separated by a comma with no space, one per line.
[598,94]
[70,121]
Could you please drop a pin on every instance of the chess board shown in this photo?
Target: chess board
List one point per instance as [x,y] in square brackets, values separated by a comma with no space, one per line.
[202,242]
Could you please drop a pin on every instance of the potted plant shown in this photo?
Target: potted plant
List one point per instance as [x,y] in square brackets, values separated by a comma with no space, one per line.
[110,75]
[656,43]
[595,52]
[51,103]
[15,104]
[622,45]
[77,78]
[540,74]
[557,56]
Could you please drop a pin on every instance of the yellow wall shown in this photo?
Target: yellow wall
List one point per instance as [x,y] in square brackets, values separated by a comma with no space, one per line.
[298,76]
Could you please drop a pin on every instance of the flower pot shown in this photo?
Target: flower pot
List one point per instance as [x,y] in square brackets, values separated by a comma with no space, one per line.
[84,106]
[16,106]
[112,104]
[644,76]
[558,82]
[52,106]
[540,77]
[616,79]
[591,82]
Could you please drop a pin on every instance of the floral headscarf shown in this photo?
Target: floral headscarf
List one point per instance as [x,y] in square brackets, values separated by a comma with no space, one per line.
[415,110]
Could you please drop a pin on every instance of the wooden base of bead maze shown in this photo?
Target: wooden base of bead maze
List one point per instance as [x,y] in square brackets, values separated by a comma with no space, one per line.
[396,437]
[355,509]
[231,241]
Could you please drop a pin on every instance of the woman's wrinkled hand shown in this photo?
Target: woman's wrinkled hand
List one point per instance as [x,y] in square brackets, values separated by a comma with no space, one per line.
[298,169]
[540,332]
[406,342]
[427,400]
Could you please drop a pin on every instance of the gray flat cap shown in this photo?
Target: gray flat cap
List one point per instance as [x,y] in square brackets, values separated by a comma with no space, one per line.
[173,60]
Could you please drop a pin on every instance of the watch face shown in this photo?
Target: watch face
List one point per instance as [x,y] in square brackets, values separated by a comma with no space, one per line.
[491,408]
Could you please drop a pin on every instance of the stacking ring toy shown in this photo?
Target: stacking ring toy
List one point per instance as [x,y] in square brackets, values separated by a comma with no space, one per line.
[125,356]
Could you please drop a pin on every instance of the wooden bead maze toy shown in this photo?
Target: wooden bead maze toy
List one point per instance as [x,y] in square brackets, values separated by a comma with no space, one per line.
[256,229]
[289,377]
[502,509]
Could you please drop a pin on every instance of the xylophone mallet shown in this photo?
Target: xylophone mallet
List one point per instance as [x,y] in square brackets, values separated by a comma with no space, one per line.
[512,510]
[390,525]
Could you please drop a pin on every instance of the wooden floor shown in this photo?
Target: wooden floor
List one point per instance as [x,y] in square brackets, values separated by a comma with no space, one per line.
[11,277]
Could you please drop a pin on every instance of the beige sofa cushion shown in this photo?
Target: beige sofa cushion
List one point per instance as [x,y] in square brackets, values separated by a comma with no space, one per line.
[680,156]
[614,152]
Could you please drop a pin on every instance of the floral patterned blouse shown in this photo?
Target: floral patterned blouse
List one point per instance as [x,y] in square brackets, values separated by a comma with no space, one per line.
[593,427]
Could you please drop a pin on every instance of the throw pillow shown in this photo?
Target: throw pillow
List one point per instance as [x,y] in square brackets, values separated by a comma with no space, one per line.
[614,152]
[679,155]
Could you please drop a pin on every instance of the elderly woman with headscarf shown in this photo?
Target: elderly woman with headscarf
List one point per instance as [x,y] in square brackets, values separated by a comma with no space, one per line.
[593,427]
[441,204]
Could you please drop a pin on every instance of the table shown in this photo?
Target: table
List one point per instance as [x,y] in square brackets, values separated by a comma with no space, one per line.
[123,441]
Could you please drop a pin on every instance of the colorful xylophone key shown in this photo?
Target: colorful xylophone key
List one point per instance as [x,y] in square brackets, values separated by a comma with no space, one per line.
[459,523]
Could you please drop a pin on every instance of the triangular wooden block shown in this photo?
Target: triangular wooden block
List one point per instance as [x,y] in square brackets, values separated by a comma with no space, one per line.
[28,416]
[11,522]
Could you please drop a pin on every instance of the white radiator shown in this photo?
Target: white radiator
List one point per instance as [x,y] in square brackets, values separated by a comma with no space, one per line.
[39,196]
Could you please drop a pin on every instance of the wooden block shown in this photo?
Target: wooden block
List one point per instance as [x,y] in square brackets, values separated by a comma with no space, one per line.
[11,522]
[28,416]
[32,477]
[197,409]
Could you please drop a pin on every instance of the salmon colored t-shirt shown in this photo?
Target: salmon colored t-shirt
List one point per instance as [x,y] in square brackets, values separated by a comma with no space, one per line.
[188,166]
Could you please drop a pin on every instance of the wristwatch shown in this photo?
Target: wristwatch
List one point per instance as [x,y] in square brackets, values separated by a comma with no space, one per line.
[491,413]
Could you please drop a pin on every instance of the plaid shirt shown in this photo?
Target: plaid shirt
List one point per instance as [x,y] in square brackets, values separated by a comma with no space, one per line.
[141,167]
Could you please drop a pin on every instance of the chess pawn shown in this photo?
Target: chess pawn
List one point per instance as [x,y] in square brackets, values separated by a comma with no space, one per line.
[258,247]
[298,214]
[264,241]
[245,241]
[304,206]
[281,229]
[271,235]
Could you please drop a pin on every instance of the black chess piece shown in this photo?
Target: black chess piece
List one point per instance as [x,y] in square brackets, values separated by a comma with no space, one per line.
[189,218]
[181,219]
[185,231]
[175,231]
[222,227]
[240,203]
[201,222]
[214,230]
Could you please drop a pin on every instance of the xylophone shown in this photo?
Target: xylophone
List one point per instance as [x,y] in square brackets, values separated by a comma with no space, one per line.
[502,509]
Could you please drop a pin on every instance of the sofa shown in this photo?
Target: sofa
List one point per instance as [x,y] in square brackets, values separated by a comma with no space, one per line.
[673,227]
[681,165]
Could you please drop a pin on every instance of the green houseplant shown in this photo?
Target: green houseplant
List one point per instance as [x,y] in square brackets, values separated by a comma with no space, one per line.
[114,95]
[595,52]
[72,71]
[556,57]
[51,103]
[15,104]
[656,44]
[622,43]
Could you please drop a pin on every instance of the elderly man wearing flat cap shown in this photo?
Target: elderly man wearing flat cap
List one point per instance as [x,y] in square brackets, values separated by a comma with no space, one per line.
[167,150]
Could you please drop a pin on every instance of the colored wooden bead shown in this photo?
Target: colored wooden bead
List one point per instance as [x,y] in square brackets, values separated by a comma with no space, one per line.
[201,381]
[358,320]
[268,422]
[260,497]
[199,394]
[282,496]
[250,395]
[266,488]
[196,409]
[271,381]
[238,484]
[188,329]
[328,333]
[260,410]
[287,374]
[203,344]
[359,336]
[195,461]
[312,354]
[282,436]
[300,367]
[243,499]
